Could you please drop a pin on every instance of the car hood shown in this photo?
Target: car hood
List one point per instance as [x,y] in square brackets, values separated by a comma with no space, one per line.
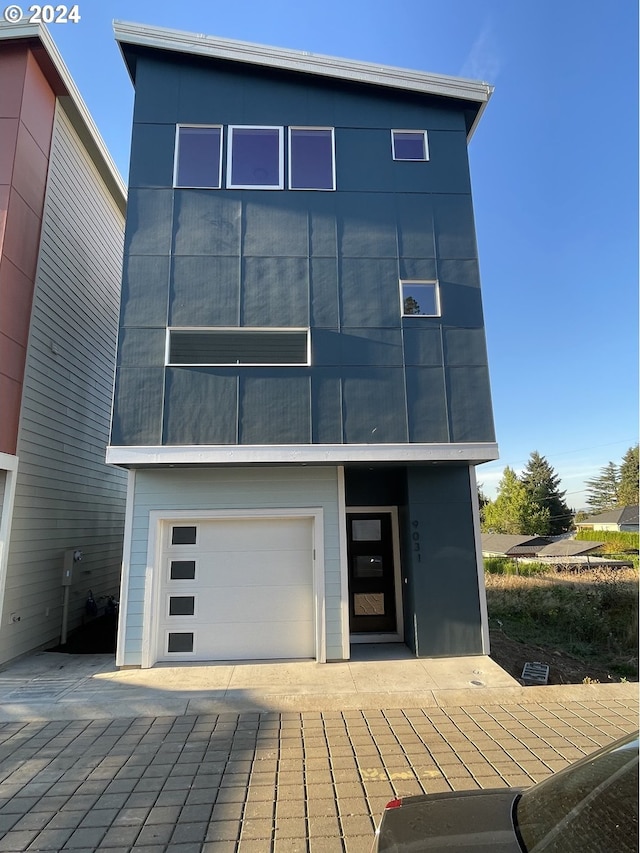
[470,821]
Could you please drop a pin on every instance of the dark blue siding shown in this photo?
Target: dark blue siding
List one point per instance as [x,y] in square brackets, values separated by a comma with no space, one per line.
[328,260]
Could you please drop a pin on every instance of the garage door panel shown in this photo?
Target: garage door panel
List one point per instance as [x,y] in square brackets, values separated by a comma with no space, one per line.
[247,568]
[274,534]
[253,594]
[281,604]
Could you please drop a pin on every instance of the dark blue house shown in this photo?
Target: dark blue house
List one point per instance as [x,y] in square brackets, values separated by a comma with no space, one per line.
[302,387]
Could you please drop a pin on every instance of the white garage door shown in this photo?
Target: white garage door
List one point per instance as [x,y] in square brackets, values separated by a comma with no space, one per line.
[237,589]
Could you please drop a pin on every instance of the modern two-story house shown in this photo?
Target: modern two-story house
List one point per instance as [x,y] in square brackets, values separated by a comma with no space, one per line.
[62,204]
[302,388]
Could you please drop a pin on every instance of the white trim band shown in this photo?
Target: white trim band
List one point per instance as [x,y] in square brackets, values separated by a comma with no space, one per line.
[473,453]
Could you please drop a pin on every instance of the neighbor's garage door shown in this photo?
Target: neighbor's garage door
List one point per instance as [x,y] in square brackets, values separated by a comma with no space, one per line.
[237,589]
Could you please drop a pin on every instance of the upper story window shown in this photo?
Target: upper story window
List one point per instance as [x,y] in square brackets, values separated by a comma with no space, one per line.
[420,298]
[255,158]
[198,157]
[244,345]
[311,158]
[409,145]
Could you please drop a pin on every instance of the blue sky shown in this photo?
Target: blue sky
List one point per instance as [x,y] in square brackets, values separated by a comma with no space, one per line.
[554,174]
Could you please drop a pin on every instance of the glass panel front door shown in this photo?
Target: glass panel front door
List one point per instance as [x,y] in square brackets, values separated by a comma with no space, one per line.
[372,600]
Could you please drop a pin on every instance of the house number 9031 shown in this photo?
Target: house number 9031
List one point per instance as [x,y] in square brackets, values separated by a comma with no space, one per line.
[415,539]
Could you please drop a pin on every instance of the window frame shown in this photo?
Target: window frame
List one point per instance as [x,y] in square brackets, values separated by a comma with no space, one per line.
[331,130]
[239,329]
[176,156]
[230,132]
[425,138]
[180,594]
[421,281]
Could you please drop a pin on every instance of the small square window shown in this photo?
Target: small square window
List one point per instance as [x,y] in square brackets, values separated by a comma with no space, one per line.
[420,299]
[180,642]
[409,145]
[255,158]
[182,570]
[198,157]
[311,160]
[182,605]
[183,535]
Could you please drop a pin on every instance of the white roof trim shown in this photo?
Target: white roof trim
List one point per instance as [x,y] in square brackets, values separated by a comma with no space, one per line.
[74,106]
[302,454]
[303,61]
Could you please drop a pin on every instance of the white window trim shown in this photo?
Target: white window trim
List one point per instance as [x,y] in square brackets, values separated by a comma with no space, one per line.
[176,155]
[280,184]
[168,631]
[333,160]
[432,281]
[424,159]
[178,559]
[176,593]
[241,329]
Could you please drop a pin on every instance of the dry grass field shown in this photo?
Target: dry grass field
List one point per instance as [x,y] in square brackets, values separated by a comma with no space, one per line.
[584,625]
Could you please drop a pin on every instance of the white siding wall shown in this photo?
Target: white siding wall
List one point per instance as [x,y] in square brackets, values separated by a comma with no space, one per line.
[231,488]
[66,496]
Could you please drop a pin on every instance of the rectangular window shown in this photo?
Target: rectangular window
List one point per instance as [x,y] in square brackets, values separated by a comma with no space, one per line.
[198,158]
[255,158]
[183,535]
[420,299]
[182,570]
[238,346]
[311,158]
[182,605]
[181,642]
[409,145]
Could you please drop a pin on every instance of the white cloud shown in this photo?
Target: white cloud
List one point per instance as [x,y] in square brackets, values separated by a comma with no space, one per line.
[483,62]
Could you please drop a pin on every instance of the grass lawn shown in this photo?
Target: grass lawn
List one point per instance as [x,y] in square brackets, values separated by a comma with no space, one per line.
[590,617]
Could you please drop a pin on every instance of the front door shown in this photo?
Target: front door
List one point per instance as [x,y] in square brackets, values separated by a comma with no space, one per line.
[372,599]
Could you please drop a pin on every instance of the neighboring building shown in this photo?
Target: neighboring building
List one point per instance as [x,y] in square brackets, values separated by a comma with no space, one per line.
[62,207]
[302,388]
[624,518]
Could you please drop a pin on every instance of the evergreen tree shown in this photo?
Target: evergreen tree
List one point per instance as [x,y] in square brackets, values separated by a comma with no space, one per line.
[541,482]
[514,510]
[628,488]
[602,491]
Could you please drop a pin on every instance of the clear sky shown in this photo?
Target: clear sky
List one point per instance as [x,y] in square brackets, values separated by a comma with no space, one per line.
[554,175]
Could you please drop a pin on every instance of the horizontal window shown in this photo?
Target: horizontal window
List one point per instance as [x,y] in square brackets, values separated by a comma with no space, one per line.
[198,157]
[409,145]
[311,158]
[183,535]
[182,605]
[182,570]
[255,158]
[420,298]
[238,346]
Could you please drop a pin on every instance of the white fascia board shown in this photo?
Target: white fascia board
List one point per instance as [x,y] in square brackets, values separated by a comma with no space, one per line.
[303,61]
[75,107]
[318,454]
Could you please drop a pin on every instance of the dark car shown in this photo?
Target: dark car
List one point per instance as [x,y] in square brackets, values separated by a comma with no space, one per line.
[590,807]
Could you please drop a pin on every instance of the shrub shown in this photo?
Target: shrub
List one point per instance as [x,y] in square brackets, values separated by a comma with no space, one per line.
[616,541]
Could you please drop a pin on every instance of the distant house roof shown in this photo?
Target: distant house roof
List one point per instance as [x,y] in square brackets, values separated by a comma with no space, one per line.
[620,515]
[503,544]
[134,37]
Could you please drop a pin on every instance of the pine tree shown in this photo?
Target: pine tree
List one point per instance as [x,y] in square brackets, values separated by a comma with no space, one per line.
[541,482]
[514,510]
[628,489]
[602,491]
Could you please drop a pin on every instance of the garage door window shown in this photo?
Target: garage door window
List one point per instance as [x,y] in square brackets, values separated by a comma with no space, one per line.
[180,642]
[183,535]
[182,570]
[182,605]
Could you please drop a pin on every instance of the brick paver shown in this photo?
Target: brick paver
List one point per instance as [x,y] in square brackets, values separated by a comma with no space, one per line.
[265,782]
